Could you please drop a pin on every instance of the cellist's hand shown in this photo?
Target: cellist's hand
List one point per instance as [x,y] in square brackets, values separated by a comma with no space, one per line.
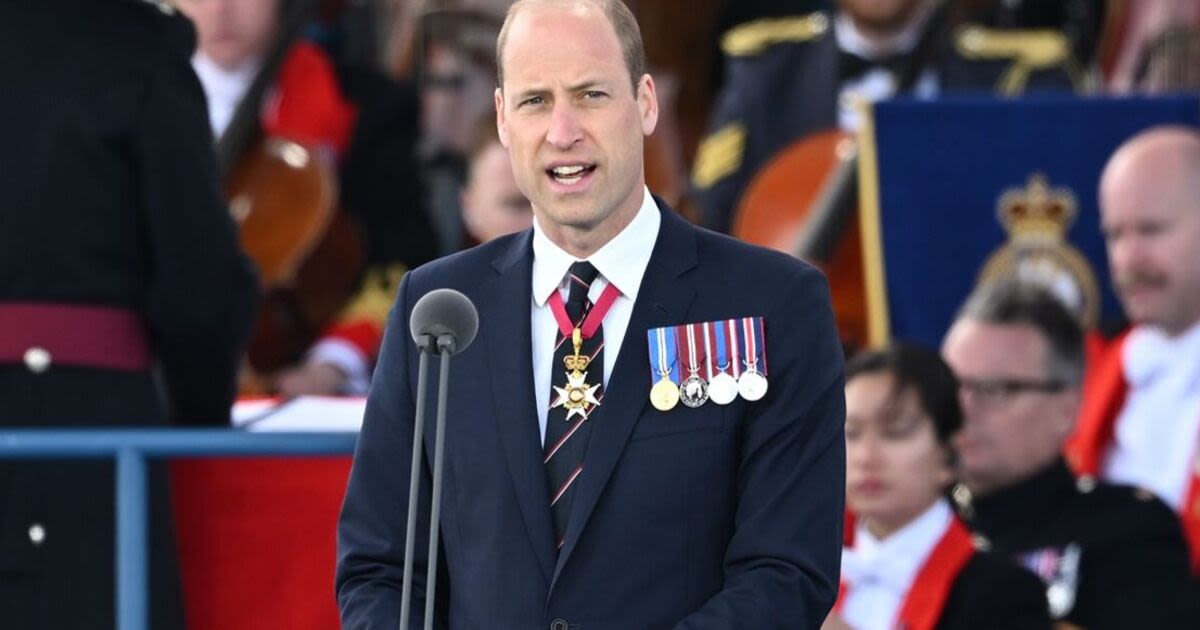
[311,379]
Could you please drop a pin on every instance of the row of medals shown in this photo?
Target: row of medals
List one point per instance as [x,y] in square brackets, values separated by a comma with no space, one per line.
[695,391]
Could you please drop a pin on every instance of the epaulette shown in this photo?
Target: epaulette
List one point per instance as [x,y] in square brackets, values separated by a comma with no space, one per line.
[754,37]
[1028,50]
[374,300]
[719,155]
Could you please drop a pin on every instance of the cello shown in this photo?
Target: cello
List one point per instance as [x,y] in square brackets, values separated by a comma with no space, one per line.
[283,197]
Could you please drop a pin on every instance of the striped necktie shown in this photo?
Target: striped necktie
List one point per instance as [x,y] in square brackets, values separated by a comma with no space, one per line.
[574,394]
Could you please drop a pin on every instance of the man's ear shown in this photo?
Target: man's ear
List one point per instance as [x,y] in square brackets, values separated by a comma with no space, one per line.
[501,126]
[647,97]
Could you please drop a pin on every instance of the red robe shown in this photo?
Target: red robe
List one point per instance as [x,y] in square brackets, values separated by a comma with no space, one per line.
[1104,393]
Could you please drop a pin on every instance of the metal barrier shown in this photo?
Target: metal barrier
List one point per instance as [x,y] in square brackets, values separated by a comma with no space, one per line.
[131,448]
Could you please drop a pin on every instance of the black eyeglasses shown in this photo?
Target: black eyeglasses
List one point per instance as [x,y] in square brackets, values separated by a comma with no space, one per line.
[993,388]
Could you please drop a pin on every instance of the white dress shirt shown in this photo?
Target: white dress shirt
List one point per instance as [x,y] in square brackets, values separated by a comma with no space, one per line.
[879,573]
[622,262]
[1157,431]
[223,89]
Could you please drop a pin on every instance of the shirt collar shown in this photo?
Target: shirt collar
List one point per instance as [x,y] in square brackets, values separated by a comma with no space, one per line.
[851,40]
[218,80]
[622,261]
[1149,354]
[896,559]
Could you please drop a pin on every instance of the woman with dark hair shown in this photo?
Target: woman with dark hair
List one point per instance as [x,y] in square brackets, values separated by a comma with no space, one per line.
[912,564]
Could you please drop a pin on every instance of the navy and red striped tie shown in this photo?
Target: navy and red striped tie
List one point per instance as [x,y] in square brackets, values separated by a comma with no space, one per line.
[566,432]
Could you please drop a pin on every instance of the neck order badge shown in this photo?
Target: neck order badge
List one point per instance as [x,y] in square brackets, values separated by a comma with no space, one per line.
[578,396]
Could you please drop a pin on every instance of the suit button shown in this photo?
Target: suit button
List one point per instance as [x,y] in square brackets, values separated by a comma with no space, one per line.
[37,534]
[37,359]
[559,624]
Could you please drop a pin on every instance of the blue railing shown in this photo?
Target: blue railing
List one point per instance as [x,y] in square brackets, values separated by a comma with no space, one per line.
[131,448]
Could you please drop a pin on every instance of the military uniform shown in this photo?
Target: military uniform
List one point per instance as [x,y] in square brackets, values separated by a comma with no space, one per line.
[120,281]
[783,78]
[931,573]
[1111,556]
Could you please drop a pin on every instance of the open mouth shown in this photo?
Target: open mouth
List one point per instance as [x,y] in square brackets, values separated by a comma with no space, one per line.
[570,175]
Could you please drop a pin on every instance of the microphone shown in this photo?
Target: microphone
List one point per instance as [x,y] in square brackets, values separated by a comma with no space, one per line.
[443,322]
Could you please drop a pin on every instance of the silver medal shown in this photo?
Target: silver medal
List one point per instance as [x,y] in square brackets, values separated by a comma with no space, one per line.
[752,385]
[693,392]
[723,389]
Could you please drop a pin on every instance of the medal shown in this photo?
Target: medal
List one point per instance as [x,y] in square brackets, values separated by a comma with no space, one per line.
[578,397]
[664,394]
[752,384]
[722,388]
[693,392]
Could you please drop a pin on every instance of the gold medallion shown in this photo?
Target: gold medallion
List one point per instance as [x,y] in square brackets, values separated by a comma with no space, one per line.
[665,394]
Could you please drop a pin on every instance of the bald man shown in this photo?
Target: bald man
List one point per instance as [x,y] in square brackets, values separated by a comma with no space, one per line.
[1140,422]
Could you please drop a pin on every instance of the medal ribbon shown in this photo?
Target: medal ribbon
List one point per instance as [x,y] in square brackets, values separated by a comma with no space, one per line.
[708,364]
[722,361]
[734,353]
[662,353]
[591,322]
[689,359]
[751,344]
[761,342]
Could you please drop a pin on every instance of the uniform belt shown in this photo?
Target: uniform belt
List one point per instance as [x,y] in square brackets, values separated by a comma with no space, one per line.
[39,334]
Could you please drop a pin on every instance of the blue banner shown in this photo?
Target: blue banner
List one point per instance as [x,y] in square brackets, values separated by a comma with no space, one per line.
[953,186]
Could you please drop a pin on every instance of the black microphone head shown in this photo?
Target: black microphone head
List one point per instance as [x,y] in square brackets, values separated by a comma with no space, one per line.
[444,312]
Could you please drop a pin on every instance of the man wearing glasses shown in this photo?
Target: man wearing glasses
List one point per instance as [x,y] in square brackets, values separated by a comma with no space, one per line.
[1111,556]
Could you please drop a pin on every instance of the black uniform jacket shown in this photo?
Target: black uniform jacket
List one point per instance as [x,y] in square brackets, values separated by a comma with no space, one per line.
[108,197]
[1111,556]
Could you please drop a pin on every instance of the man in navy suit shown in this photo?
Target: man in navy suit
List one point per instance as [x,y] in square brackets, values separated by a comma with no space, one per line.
[576,503]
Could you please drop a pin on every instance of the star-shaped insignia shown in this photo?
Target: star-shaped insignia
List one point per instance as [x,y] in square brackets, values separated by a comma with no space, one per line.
[577,396]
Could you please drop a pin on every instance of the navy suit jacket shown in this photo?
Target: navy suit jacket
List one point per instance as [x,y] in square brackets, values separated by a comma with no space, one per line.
[713,517]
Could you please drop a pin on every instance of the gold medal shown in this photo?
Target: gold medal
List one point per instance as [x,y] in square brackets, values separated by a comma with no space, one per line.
[577,397]
[665,394]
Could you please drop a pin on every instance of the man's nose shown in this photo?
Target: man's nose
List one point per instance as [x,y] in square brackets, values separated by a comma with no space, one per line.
[564,130]
[1126,253]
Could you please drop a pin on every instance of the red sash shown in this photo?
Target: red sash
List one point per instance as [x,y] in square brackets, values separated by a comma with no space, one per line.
[926,597]
[1104,393]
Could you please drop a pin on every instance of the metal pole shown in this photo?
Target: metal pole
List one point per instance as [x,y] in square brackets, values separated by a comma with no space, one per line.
[132,580]
[435,508]
[413,489]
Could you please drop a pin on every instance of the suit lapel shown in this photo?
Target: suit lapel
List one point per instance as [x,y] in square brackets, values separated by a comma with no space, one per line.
[663,299]
[509,297]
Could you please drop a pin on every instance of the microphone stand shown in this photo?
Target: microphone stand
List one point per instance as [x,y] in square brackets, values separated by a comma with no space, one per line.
[444,345]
